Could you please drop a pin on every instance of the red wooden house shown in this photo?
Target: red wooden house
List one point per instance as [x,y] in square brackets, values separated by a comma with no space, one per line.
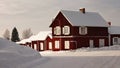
[76,29]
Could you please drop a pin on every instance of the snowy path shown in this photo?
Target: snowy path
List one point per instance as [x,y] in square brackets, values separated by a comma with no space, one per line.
[81,62]
[82,59]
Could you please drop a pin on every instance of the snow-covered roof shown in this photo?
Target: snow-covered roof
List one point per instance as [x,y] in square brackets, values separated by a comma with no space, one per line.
[26,40]
[114,29]
[77,18]
[42,35]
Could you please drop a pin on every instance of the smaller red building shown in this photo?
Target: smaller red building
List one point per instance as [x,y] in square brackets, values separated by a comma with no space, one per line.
[41,40]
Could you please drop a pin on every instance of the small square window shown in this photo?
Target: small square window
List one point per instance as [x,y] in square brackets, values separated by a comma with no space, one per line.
[66,30]
[57,30]
[83,30]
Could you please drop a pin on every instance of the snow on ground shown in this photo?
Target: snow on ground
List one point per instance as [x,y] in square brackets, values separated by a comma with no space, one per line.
[103,51]
[105,57]
[16,56]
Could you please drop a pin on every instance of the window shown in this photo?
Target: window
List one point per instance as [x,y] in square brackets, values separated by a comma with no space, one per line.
[83,30]
[66,30]
[41,46]
[91,43]
[50,45]
[35,46]
[57,30]
[115,40]
[101,42]
[57,44]
[67,45]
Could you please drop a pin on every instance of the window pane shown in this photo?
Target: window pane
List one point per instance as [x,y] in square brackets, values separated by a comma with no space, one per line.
[83,30]
[50,45]
[55,30]
[41,46]
[57,44]
[66,30]
[58,30]
[67,45]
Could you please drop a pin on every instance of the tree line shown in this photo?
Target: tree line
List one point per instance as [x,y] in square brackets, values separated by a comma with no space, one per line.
[15,35]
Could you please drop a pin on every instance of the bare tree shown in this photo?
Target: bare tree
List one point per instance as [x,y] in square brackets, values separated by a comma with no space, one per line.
[27,33]
[6,34]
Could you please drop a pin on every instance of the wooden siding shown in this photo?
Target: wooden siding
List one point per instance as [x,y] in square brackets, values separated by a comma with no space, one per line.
[79,42]
[61,21]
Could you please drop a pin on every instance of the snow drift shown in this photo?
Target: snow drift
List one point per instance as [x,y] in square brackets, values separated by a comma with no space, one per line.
[16,56]
[104,57]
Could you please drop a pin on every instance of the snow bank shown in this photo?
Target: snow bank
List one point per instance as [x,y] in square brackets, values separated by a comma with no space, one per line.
[103,51]
[105,57]
[16,56]
[114,47]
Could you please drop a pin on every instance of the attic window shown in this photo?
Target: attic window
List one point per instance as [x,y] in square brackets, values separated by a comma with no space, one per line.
[83,30]
[57,30]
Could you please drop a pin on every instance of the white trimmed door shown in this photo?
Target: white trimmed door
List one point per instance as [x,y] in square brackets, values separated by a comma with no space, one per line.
[57,44]
[101,42]
[91,43]
[67,44]
[41,46]
[50,45]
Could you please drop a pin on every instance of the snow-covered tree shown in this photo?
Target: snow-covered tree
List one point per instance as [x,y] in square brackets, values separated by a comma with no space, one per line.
[15,35]
[6,34]
[27,33]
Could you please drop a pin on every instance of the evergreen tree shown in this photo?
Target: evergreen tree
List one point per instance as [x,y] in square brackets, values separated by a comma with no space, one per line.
[15,35]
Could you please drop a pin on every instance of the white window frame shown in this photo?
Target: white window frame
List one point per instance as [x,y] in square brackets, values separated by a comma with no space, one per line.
[57,30]
[115,42]
[83,30]
[57,44]
[35,46]
[66,30]
[50,45]
[41,46]
[67,44]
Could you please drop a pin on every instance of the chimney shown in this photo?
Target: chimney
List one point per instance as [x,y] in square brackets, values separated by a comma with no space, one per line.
[109,23]
[82,10]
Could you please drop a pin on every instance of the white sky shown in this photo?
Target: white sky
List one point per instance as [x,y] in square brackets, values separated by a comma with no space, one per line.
[38,14]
